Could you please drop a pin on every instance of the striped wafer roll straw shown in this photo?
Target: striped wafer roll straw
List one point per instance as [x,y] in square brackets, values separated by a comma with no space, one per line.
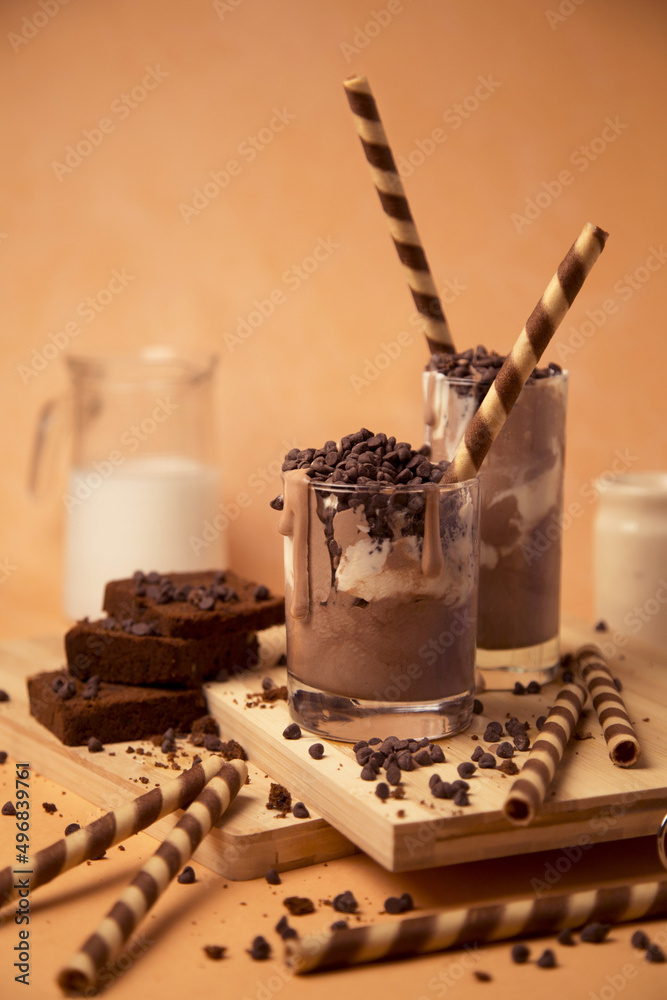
[496,922]
[403,231]
[540,327]
[528,791]
[110,829]
[621,738]
[103,945]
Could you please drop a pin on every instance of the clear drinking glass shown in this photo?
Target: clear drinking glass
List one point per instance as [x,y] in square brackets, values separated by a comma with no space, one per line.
[144,485]
[381,608]
[521,484]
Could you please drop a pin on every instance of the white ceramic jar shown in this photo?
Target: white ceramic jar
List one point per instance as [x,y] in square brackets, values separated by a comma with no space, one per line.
[631,555]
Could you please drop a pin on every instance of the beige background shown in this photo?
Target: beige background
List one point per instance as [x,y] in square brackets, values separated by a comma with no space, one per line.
[555,74]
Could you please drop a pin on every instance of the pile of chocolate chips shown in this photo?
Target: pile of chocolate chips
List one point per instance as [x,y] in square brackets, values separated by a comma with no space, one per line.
[480,365]
[162,590]
[131,626]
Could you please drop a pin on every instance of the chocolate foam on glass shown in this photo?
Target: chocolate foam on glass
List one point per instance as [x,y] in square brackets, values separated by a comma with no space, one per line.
[521,507]
[380,589]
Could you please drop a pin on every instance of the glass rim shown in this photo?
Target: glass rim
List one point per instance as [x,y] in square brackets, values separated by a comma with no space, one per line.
[650,483]
[374,487]
[162,365]
[563,374]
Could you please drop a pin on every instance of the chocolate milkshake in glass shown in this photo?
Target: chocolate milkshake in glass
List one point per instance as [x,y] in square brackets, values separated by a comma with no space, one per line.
[380,592]
[521,504]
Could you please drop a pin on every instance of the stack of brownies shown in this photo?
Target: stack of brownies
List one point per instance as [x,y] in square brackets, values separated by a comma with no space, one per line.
[140,670]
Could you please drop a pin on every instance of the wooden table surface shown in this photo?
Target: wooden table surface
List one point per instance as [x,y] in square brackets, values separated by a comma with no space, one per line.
[167,958]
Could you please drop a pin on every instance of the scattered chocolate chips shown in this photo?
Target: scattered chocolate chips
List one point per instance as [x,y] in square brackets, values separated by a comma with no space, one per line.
[260,949]
[437,753]
[466,769]
[521,741]
[518,688]
[279,798]
[214,951]
[481,976]
[8,809]
[299,905]
[393,774]
[399,904]
[300,811]
[368,773]
[595,932]
[423,758]
[442,790]
[94,745]
[477,707]
[461,797]
[283,928]
[487,760]
[187,876]
[520,953]
[382,790]
[505,750]
[477,753]
[272,877]
[533,688]
[65,691]
[292,732]
[49,807]
[316,751]
[71,828]
[547,959]
[640,939]
[345,902]
[493,732]
[566,938]
[339,925]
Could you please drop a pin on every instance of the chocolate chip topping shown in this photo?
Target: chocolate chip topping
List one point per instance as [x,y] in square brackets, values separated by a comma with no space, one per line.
[187,876]
[345,902]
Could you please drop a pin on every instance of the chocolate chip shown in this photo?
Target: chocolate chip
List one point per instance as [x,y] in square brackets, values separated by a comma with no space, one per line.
[168,746]
[94,745]
[292,732]
[442,790]
[519,689]
[566,937]
[214,951]
[521,742]
[640,939]
[477,753]
[477,707]
[423,758]
[393,774]
[618,684]
[3,756]
[539,722]
[345,902]
[505,750]
[4,696]
[437,753]
[654,953]
[71,828]
[601,626]
[487,760]
[382,790]
[493,732]
[466,769]
[520,954]
[260,950]
[140,628]
[405,761]
[361,745]
[316,751]
[272,877]
[300,811]
[374,741]
[267,683]
[299,905]
[547,959]
[368,773]
[211,742]
[187,876]
[286,932]
[339,925]
[57,683]
[482,977]
[595,932]
[8,809]
[67,691]
[533,688]
[461,798]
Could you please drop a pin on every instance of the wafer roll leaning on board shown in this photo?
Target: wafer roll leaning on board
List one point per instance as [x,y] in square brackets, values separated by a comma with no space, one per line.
[529,790]
[390,189]
[455,928]
[80,973]
[621,738]
[112,828]
[540,327]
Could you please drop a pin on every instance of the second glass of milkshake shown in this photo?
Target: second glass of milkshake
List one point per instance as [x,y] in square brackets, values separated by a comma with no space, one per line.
[521,511]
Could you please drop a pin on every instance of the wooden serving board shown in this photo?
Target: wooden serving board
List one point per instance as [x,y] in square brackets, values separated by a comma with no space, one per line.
[249,839]
[590,799]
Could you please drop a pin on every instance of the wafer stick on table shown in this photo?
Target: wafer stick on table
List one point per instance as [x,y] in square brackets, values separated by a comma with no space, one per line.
[621,738]
[80,973]
[540,327]
[112,828]
[455,928]
[389,187]
[529,790]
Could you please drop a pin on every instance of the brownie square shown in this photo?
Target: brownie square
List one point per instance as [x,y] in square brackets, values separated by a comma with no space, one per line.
[118,712]
[173,602]
[121,657]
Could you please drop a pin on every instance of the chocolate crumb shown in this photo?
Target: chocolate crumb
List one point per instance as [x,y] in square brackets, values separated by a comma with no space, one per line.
[71,828]
[300,811]
[595,932]
[292,732]
[279,798]
[187,876]
[481,976]
[520,953]
[283,928]
[272,877]
[3,756]
[214,951]
[316,751]
[566,937]
[547,959]
[260,950]
[49,807]
[299,905]
[345,902]
[601,626]
[508,767]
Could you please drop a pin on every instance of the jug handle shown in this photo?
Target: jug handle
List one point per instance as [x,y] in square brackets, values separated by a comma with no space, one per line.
[49,440]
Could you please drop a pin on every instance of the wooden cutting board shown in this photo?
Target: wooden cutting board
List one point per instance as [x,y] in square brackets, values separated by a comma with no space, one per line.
[249,839]
[590,799]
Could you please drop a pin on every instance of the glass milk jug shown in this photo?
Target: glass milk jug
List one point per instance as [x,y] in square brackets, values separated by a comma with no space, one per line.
[144,488]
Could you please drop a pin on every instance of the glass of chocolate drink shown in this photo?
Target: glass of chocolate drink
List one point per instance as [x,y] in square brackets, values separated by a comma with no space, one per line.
[521,503]
[381,567]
